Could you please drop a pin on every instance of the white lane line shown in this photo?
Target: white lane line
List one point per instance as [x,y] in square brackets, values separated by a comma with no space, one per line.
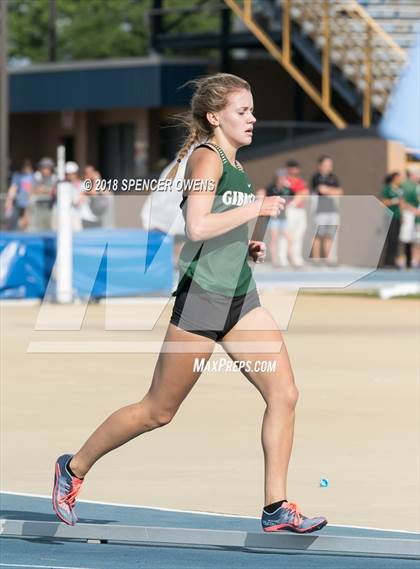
[199,512]
[119,505]
[42,566]
[21,303]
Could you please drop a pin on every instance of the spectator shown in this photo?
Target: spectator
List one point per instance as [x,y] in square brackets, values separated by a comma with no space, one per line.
[410,218]
[296,212]
[278,226]
[391,197]
[42,196]
[91,173]
[97,201]
[18,198]
[71,171]
[325,185]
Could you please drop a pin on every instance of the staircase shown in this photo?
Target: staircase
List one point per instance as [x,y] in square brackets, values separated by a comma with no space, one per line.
[353,54]
[399,18]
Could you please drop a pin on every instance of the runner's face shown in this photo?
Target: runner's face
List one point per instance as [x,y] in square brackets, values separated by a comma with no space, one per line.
[237,120]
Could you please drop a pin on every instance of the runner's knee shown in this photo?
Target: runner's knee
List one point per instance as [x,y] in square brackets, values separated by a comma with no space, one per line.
[283,396]
[162,418]
[159,415]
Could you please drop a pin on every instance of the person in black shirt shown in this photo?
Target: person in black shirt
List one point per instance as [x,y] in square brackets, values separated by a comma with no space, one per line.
[325,185]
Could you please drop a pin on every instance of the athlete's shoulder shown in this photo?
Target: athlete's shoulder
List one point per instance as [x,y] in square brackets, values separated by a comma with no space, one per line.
[204,157]
[205,151]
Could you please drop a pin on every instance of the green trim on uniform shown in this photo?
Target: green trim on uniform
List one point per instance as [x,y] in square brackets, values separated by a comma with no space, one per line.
[220,264]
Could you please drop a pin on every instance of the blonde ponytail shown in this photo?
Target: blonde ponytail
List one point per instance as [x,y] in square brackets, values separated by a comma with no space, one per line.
[192,138]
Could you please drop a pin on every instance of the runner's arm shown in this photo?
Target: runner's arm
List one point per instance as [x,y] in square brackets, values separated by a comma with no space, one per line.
[201,224]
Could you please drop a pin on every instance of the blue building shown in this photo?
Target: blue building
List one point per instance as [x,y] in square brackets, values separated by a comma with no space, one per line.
[108,113]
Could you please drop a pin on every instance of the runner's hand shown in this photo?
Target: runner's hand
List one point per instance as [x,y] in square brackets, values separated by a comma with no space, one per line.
[257,251]
[271,206]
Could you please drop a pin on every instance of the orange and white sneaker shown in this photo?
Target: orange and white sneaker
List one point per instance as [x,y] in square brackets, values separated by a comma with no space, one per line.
[65,491]
[288,517]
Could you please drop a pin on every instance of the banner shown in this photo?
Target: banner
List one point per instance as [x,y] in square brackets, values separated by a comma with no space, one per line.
[106,262]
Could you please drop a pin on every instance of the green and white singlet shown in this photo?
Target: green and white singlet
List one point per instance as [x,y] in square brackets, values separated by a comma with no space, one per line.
[220,264]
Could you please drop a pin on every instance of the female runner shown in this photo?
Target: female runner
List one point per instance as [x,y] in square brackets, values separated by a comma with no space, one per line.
[216,301]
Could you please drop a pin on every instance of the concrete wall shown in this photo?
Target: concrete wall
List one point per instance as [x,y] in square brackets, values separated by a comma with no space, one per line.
[361,160]
[361,163]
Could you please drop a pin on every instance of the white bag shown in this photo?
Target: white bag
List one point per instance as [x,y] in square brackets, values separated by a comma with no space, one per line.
[161,208]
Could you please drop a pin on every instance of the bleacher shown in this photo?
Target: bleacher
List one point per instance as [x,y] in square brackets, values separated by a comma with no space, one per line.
[366,42]
[352,34]
[399,18]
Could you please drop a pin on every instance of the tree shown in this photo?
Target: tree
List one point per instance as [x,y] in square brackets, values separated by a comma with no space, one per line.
[98,29]
[85,29]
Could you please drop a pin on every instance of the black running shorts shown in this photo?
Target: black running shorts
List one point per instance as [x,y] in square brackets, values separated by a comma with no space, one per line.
[208,314]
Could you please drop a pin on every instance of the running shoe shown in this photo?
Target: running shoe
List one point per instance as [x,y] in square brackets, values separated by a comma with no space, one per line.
[65,491]
[288,517]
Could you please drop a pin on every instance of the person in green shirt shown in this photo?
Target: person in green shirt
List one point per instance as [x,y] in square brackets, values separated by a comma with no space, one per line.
[216,283]
[391,197]
[410,218]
